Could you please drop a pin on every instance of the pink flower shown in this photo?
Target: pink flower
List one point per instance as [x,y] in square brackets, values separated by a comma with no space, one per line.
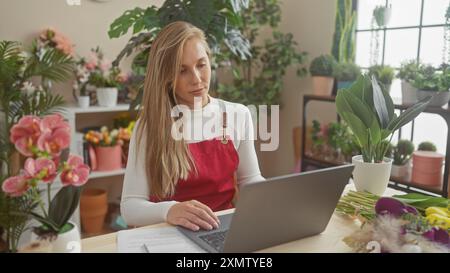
[122,77]
[42,168]
[15,186]
[75,172]
[25,134]
[54,141]
[54,122]
[105,65]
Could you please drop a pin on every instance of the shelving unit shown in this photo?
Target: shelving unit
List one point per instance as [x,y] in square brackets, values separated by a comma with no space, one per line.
[402,185]
[79,118]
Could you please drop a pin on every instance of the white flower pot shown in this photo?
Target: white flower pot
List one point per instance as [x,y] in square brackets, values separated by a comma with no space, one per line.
[409,93]
[68,242]
[402,171]
[371,177]
[439,98]
[83,101]
[107,96]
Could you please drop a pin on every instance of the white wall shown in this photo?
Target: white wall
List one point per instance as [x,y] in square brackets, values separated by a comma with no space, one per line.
[312,24]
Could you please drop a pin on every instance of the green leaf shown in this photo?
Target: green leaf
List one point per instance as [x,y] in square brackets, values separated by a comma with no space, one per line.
[63,205]
[356,106]
[238,44]
[239,5]
[422,201]
[380,104]
[357,127]
[121,25]
[409,114]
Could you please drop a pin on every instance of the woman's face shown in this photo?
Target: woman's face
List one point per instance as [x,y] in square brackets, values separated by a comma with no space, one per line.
[194,74]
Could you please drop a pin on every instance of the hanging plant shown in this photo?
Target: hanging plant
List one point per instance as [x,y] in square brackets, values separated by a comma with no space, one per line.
[446,49]
[380,19]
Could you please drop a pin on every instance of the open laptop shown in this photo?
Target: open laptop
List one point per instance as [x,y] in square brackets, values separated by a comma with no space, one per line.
[277,210]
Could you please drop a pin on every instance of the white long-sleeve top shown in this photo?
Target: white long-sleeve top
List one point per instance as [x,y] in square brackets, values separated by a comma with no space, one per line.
[135,206]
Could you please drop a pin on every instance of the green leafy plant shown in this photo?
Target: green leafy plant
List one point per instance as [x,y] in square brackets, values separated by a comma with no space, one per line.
[408,70]
[342,140]
[19,97]
[259,80]
[431,79]
[219,20]
[427,146]
[369,112]
[322,66]
[344,34]
[346,72]
[402,152]
[383,74]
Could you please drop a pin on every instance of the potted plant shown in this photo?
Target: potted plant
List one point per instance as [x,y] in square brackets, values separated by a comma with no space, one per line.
[369,112]
[321,70]
[108,151]
[382,15]
[24,90]
[346,74]
[82,75]
[427,146]
[407,74]
[42,142]
[402,153]
[104,77]
[383,74]
[431,83]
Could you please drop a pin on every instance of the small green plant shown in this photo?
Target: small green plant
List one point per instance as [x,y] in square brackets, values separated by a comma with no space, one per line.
[383,73]
[369,112]
[402,152]
[317,134]
[427,146]
[428,79]
[100,79]
[346,72]
[408,70]
[322,66]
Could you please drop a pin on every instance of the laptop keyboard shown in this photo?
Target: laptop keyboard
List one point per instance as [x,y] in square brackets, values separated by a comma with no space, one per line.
[215,239]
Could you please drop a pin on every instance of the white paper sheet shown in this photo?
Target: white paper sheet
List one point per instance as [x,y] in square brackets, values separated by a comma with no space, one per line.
[157,240]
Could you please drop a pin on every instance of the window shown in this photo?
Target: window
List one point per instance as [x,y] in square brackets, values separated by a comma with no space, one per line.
[415,30]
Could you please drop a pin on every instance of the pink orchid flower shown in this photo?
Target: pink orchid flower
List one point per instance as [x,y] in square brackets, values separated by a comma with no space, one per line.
[54,142]
[53,122]
[25,134]
[41,168]
[15,186]
[75,172]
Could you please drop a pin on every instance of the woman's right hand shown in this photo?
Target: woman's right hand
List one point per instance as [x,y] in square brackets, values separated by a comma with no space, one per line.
[192,215]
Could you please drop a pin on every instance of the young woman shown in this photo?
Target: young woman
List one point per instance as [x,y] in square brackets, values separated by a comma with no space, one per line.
[184,181]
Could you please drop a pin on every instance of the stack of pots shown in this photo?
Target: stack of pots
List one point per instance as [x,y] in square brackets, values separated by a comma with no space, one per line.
[93,209]
[427,168]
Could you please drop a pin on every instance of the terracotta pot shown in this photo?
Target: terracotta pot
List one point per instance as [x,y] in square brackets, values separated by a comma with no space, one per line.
[109,158]
[93,209]
[427,168]
[323,86]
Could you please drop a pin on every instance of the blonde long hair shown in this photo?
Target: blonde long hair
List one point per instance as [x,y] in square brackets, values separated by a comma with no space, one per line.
[166,159]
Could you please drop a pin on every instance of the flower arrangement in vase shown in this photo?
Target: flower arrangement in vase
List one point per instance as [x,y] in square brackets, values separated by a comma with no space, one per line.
[43,142]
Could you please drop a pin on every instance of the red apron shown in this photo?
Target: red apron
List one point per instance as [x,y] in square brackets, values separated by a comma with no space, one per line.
[215,184]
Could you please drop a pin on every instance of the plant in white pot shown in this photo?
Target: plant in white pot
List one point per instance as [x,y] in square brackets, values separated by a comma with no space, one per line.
[82,75]
[431,82]
[369,112]
[321,70]
[407,74]
[402,153]
[44,143]
[384,74]
[107,84]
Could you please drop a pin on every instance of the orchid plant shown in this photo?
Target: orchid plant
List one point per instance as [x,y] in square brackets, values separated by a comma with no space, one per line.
[43,142]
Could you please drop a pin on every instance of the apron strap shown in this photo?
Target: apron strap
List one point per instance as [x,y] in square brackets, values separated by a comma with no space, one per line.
[224,121]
